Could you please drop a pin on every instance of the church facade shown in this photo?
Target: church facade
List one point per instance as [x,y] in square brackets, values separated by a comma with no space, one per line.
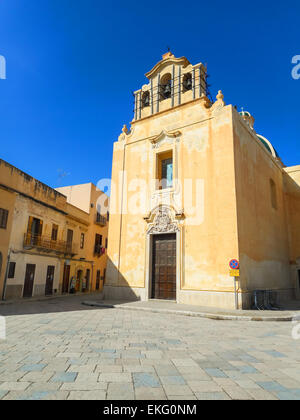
[194,186]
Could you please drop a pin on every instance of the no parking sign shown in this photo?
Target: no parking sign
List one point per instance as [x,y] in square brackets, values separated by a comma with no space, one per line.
[234,264]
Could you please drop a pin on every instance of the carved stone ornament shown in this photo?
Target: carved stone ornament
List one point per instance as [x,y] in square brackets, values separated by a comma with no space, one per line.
[164,137]
[163,222]
[218,106]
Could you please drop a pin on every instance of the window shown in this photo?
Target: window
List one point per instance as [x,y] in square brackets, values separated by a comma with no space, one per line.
[98,244]
[34,231]
[11,270]
[98,279]
[69,240]
[107,217]
[165,170]
[106,243]
[69,236]
[82,241]
[54,233]
[3,218]
[273,194]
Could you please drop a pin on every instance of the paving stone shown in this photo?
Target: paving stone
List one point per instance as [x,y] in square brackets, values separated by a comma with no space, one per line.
[110,369]
[64,377]
[204,386]
[184,362]
[2,394]
[120,391]
[148,393]
[182,397]
[44,386]
[139,368]
[32,368]
[14,386]
[145,380]
[115,377]
[84,386]
[83,368]
[216,373]
[36,377]
[11,376]
[287,396]
[87,395]
[181,390]
[172,380]
[166,370]
[211,396]
[248,369]
[237,393]
[271,386]
[261,395]
[87,377]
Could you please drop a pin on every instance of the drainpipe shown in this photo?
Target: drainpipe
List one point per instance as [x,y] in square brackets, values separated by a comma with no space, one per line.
[6,274]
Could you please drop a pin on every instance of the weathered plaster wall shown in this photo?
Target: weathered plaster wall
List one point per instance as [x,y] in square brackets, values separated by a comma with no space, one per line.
[262,229]
[203,154]
[7,202]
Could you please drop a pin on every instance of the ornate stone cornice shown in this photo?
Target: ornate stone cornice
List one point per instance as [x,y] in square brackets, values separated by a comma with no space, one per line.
[166,61]
[164,133]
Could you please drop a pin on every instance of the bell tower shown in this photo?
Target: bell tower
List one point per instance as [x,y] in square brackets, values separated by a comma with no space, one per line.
[172,82]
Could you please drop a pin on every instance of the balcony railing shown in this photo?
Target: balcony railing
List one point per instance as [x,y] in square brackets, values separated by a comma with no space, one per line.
[45,243]
[99,250]
[100,220]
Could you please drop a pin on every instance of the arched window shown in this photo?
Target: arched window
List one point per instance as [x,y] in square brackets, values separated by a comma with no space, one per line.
[187,82]
[273,194]
[165,87]
[145,99]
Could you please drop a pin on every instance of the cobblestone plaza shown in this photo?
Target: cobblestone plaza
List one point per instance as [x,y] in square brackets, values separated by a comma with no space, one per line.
[61,350]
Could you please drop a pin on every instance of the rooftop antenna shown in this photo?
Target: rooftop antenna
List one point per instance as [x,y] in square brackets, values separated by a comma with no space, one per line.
[208,94]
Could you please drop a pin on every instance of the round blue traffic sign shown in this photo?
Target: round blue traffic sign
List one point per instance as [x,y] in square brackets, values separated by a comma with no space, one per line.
[234,264]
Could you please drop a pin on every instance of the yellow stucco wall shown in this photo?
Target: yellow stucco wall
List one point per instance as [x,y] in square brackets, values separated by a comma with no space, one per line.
[7,202]
[203,153]
[262,229]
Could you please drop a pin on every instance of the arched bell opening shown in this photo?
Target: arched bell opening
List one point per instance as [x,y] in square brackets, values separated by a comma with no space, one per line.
[187,83]
[145,99]
[165,87]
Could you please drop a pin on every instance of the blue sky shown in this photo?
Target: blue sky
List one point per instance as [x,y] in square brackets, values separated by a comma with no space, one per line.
[72,65]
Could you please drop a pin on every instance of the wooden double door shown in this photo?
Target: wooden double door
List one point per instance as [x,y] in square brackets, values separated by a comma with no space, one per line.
[164,267]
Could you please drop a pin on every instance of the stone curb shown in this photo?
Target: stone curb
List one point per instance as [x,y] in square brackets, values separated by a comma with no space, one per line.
[193,314]
[42,298]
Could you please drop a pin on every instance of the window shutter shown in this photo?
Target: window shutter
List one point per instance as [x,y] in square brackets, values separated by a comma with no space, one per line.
[30,221]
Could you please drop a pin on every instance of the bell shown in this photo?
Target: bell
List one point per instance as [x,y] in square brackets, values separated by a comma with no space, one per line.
[167,91]
[146,100]
[188,83]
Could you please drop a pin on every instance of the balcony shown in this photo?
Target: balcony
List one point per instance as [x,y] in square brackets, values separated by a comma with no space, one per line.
[46,244]
[100,220]
[99,250]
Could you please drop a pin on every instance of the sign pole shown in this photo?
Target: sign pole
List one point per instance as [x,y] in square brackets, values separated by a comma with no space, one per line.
[235,294]
[235,273]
